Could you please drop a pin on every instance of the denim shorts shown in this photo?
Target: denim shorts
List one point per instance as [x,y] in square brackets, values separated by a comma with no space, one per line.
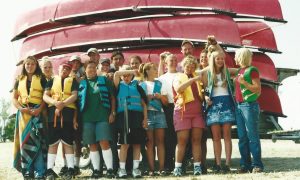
[94,132]
[156,119]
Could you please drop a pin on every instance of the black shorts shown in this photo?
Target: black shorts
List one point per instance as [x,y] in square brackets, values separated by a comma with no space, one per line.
[135,136]
[65,133]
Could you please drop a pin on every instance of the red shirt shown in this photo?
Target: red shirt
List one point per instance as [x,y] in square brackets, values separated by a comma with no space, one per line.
[238,93]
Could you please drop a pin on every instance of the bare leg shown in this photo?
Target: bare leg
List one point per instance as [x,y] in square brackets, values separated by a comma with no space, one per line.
[159,141]
[216,131]
[196,144]
[227,141]
[182,139]
[150,149]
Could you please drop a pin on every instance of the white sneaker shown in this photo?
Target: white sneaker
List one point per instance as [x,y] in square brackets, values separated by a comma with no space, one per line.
[136,173]
[122,173]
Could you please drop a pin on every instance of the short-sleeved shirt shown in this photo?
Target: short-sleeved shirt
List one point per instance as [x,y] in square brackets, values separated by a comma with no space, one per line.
[238,93]
[74,86]
[28,84]
[150,87]
[94,110]
[67,112]
[167,79]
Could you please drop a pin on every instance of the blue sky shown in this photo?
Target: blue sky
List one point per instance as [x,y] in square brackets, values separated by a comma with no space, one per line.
[286,37]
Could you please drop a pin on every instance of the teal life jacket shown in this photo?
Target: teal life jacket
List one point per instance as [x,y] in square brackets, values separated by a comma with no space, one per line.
[129,95]
[100,88]
[155,103]
[248,95]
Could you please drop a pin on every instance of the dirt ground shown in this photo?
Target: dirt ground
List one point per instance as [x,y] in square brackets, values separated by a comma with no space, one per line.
[281,160]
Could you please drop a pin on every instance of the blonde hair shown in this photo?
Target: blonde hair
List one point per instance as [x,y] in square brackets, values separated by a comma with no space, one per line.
[212,68]
[243,56]
[189,60]
[125,67]
[145,67]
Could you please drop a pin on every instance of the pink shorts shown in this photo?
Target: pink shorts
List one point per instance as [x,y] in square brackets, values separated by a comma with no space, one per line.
[192,117]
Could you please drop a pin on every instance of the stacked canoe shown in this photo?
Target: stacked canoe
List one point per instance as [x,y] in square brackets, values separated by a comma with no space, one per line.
[147,28]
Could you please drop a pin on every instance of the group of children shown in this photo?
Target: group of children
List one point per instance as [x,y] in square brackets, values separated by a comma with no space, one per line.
[137,106]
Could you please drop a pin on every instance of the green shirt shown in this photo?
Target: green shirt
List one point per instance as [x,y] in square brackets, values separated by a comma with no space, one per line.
[94,110]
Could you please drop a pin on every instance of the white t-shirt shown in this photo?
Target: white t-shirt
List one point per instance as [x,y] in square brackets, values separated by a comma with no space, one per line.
[167,80]
[150,87]
[219,90]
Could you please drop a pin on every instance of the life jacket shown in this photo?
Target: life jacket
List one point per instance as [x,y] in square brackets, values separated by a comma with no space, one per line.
[129,95]
[155,103]
[248,95]
[100,88]
[35,94]
[60,95]
[180,99]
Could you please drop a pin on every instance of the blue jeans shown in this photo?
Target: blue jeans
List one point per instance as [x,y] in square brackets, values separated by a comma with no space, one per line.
[247,117]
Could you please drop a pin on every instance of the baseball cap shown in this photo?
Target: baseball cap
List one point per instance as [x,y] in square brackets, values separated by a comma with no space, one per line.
[187,41]
[66,64]
[92,50]
[74,58]
[105,60]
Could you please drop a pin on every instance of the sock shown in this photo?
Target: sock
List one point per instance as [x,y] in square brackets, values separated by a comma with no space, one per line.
[50,160]
[197,164]
[136,164]
[122,165]
[108,159]
[76,161]
[178,164]
[65,161]
[70,160]
[95,158]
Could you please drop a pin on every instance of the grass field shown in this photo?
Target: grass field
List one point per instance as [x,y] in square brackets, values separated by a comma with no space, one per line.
[281,160]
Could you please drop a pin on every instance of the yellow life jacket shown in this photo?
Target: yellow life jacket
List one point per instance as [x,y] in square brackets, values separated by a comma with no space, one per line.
[35,95]
[58,94]
[187,95]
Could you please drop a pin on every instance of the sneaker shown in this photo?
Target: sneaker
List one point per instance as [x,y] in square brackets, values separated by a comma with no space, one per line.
[216,168]
[63,171]
[50,174]
[243,170]
[96,174]
[257,170]
[122,173]
[69,174]
[197,170]
[203,169]
[28,175]
[136,173]
[162,173]
[177,172]
[226,169]
[110,174]
[76,170]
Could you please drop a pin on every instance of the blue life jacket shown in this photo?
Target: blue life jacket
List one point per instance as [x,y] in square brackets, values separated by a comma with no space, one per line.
[155,103]
[100,88]
[129,95]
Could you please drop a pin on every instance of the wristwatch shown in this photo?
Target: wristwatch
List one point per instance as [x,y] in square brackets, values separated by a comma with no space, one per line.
[113,113]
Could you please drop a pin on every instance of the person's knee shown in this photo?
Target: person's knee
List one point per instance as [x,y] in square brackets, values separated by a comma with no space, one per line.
[104,145]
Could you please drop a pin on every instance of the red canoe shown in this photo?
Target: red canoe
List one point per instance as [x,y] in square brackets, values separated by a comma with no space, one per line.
[140,33]
[264,64]
[73,12]
[269,102]
[269,10]
[257,35]
[70,12]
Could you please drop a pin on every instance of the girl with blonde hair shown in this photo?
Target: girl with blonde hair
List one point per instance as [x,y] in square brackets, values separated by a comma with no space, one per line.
[188,116]
[220,107]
